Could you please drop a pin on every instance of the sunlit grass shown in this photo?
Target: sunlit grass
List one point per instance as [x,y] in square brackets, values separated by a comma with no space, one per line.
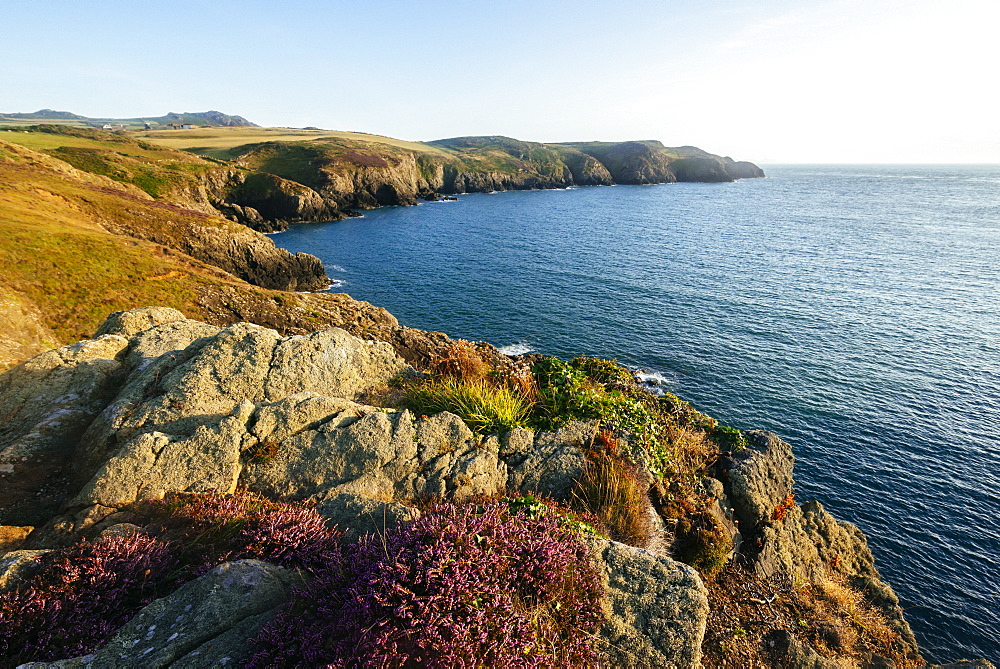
[484,407]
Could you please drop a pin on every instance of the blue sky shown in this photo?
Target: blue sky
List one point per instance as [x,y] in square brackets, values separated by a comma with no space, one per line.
[776,81]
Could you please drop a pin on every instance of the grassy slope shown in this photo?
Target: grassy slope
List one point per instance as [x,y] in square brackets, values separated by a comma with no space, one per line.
[57,254]
[155,169]
[220,142]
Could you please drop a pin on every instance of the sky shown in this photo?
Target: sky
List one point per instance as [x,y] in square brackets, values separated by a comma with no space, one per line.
[775,81]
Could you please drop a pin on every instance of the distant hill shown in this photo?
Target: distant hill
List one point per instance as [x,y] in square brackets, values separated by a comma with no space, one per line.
[208,118]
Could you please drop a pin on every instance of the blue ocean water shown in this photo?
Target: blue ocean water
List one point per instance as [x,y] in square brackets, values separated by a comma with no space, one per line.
[851,309]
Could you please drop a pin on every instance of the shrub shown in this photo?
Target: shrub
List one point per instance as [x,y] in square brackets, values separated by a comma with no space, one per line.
[78,596]
[616,493]
[604,371]
[701,541]
[461,361]
[212,528]
[729,438]
[583,523]
[461,586]
[484,407]
[566,394]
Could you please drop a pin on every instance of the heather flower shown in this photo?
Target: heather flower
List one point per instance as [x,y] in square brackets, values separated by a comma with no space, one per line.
[464,586]
[77,597]
[214,528]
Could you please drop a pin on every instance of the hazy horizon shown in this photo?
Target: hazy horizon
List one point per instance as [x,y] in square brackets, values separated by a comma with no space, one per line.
[793,82]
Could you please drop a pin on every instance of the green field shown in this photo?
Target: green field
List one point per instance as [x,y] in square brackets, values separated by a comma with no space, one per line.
[217,142]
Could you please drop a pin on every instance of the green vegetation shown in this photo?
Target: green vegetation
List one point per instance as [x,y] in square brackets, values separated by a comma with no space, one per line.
[484,407]
[729,438]
[156,170]
[645,449]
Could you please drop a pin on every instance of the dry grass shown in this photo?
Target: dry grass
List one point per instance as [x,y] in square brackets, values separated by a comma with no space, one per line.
[462,361]
[748,615]
[688,449]
[616,493]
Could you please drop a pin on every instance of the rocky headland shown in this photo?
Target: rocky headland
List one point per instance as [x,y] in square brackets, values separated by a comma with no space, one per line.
[250,476]
[161,407]
[267,185]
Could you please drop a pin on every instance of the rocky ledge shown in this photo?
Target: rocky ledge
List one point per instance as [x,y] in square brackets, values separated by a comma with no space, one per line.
[158,407]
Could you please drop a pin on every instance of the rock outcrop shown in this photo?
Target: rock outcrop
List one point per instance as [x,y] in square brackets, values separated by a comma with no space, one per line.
[801,542]
[159,404]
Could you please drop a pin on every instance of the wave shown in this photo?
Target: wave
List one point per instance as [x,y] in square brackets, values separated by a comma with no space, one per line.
[520,348]
[652,380]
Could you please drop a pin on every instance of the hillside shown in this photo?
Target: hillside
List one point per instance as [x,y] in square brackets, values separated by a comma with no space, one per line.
[209,118]
[75,245]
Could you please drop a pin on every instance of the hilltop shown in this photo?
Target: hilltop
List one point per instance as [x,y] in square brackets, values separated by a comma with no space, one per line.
[208,118]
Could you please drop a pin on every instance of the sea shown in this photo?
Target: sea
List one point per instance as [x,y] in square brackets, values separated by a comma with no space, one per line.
[853,310]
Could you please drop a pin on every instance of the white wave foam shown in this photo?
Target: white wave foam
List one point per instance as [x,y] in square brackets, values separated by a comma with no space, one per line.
[335,268]
[334,283]
[520,348]
[653,380]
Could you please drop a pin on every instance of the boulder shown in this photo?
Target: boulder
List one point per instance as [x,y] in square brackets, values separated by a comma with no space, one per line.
[12,537]
[760,478]
[655,608]
[15,565]
[787,651]
[47,403]
[358,515]
[546,462]
[202,616]
[173,337]
[154,463]
[132,322]
[364,451]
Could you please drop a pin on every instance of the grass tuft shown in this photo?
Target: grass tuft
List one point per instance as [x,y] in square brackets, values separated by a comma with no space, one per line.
[484,407]
[616,493]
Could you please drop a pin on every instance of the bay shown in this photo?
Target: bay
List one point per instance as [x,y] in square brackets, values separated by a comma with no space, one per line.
[851,309]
